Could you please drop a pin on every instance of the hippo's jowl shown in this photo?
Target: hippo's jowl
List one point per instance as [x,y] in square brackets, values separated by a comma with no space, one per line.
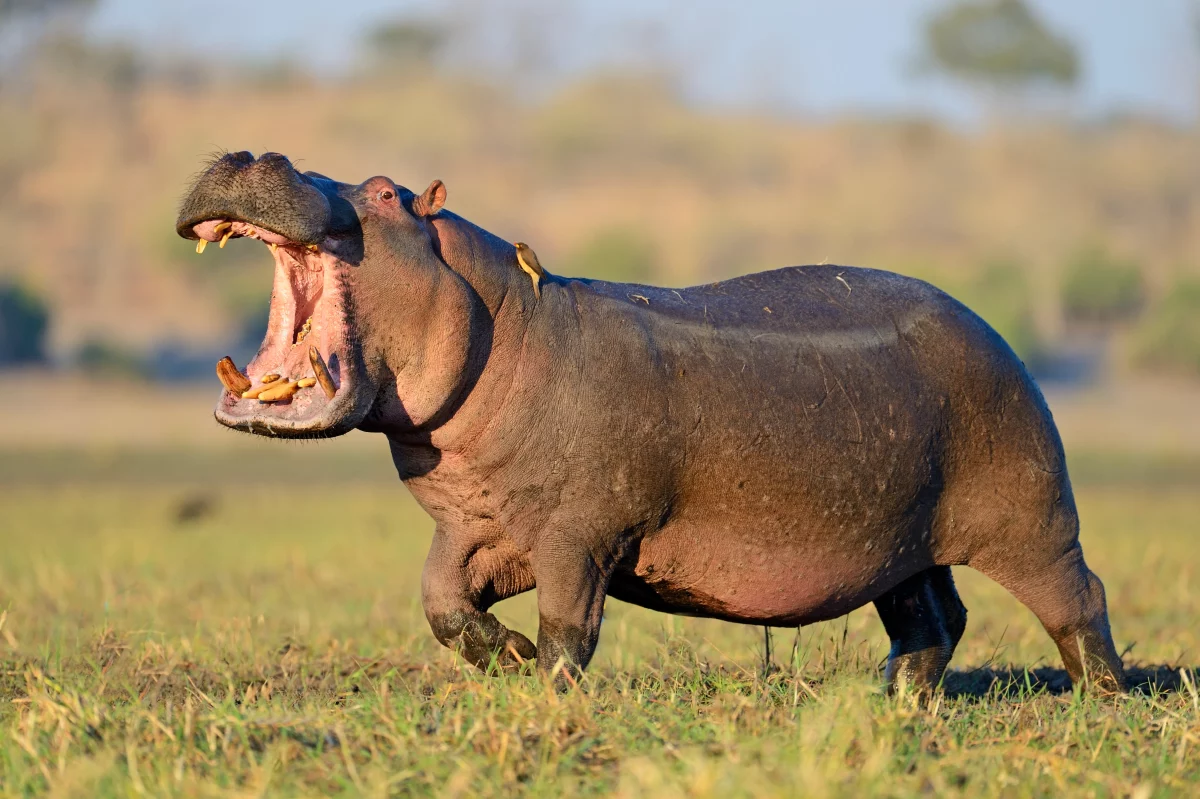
[776,449]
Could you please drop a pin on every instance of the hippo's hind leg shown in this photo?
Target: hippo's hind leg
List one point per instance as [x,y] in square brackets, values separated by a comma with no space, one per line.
[1068,600]
[925,619]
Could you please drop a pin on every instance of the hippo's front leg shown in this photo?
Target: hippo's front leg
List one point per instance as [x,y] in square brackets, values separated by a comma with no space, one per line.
[572,583]
[459,583]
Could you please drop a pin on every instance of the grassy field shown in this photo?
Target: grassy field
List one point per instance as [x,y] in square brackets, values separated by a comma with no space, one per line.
[172,627]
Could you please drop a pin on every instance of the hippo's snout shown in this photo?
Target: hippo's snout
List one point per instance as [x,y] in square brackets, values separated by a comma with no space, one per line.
[269,193]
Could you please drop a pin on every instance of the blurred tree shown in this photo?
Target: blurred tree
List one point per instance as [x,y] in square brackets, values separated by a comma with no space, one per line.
[112,71]
[999,45]
[408,43]
[70,56]
[239,276]
[1000,294]
[107,359]
[23,322]
[1168,340]
[10,9]
[1101,289]
[24,22]
[621,254]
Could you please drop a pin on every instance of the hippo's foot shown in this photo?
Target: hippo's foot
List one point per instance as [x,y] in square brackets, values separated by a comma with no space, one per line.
[925,619]
[483,641]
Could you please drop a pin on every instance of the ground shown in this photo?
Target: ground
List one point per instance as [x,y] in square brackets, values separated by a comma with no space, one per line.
[245,620]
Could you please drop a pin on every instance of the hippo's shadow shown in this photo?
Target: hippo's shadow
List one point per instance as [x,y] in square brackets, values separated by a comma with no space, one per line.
[1014,682]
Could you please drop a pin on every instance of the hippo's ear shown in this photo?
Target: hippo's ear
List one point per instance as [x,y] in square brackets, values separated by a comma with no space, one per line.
[431,201]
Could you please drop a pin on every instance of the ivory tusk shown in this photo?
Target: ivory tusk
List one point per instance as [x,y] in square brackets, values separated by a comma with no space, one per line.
[322,372]
[231,377]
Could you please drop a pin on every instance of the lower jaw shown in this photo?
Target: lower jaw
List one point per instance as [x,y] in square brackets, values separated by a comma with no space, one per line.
[307,413]
[261,424]
[334,419]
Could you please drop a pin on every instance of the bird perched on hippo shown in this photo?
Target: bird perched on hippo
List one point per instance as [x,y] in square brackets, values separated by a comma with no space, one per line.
[777,449]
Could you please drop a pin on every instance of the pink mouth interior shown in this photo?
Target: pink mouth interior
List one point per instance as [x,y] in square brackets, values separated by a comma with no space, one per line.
[307,289]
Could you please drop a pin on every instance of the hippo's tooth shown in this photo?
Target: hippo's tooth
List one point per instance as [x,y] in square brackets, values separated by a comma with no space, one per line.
[322,372]
[278,392]
[231,377]
[273,247]
[306,382]
[312,247]
[255,393]
[271,378]
[222,226]
[225,238]
[200,245]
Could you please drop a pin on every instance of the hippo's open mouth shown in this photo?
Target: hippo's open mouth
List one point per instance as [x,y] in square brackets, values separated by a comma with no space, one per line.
[308,379]
[300,382]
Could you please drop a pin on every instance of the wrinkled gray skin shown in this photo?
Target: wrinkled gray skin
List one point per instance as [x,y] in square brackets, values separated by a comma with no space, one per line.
[775,449]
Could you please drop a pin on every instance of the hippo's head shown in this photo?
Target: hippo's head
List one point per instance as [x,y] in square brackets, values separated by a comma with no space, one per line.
[356,268]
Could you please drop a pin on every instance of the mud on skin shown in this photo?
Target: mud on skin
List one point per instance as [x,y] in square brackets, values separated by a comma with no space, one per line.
[780,448]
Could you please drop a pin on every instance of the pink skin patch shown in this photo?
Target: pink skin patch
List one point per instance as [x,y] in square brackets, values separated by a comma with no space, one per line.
[307,291]
[207,231]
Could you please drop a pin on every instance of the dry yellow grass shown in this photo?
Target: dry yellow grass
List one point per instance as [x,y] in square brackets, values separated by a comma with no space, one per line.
[251,641]
[191,612]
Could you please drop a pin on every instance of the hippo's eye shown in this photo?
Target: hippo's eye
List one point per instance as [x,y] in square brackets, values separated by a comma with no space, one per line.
[386,194]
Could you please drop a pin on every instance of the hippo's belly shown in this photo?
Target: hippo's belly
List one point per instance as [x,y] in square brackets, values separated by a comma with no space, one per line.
[783,576]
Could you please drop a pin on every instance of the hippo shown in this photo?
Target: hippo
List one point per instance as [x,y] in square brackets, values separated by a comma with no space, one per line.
[775,449]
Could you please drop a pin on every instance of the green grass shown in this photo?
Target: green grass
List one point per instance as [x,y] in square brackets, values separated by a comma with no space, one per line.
[207,637]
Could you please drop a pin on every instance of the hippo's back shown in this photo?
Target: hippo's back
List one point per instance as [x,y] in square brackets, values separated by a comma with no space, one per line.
[823,299]
[835,362]
[800,342]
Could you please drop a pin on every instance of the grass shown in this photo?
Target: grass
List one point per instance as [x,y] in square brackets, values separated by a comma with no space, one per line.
[208,637]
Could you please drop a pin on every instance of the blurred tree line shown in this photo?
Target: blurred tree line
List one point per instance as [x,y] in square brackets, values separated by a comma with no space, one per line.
[612,176]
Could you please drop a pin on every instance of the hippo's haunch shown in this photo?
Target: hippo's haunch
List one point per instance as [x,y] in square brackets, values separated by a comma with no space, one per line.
[776,449]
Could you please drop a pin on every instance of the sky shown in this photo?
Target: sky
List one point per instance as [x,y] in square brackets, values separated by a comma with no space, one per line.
[810,57]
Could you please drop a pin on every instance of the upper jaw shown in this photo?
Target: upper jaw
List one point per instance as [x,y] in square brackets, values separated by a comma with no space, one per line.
[271,195]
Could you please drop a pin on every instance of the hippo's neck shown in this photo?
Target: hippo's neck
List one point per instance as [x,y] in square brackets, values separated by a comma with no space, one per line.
[500,304]
[484,260]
